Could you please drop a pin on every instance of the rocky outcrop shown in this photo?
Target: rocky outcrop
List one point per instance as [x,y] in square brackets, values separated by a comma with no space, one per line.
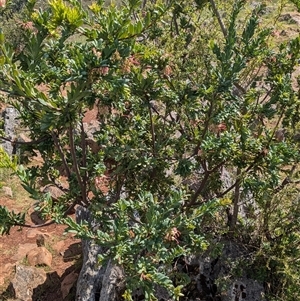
[214,278]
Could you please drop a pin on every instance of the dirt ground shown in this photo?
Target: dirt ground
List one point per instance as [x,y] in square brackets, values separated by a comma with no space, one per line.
[65,250]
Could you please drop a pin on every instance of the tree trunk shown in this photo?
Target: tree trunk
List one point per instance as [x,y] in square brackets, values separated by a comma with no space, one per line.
[91,274]
[112,282]
[96,282]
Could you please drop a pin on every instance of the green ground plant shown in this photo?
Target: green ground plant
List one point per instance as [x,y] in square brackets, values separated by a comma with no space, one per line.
[185,93]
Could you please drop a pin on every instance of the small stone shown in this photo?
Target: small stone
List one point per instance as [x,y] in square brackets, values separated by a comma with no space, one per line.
[54,191]
[7,191]
[40,240]
[39,256]
[5,271]
[23,250]
[8,267]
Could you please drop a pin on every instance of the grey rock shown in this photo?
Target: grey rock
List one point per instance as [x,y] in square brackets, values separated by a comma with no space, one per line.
[26,280]
[90,129]
[11,123]
[215,276]
[245,290]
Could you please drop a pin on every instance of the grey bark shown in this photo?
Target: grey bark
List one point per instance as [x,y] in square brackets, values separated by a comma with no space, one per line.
[95,280]
[112,282]
[91,274]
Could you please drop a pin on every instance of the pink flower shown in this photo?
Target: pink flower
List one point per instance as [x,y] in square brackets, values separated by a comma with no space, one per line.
[104,70]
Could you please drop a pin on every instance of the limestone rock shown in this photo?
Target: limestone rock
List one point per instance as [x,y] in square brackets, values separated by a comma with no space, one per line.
[246,289]
[211,271]
[10,124]
[26,280]
[39,256]
[90,128]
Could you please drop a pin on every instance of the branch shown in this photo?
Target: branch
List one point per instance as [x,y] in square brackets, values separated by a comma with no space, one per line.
[219,18]
[225,34]
[83,147]
[35,226]
[199,190]
[151,125]
[61,153]
[23,142]
[207,173]
[76,166]
[206,125]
